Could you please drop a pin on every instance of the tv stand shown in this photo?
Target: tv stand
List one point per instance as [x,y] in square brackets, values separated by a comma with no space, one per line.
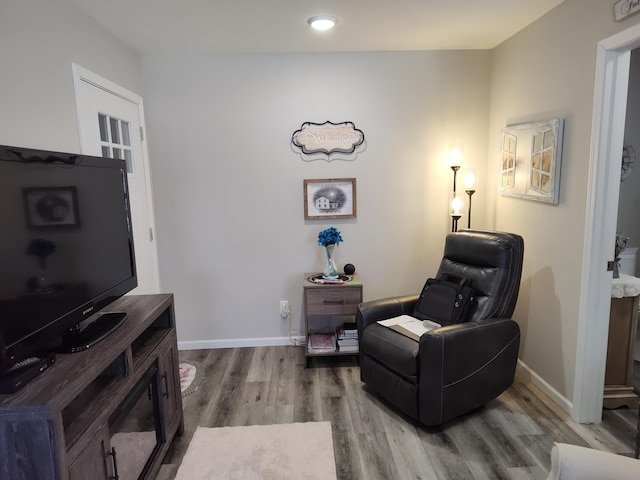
[63,424]
[81,338]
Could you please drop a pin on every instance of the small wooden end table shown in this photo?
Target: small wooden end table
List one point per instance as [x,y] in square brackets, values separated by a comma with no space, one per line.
[327,306]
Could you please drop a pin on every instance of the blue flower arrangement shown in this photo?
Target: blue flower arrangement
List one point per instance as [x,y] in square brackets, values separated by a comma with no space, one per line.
[329,236]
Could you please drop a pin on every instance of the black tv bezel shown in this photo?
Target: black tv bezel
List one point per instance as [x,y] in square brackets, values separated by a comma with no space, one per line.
[51,332]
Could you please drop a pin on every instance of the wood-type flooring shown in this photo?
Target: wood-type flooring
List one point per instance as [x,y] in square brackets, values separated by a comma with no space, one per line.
[510,438]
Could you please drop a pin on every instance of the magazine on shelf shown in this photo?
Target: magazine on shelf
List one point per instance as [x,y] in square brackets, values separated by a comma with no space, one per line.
[321,343]
[409,326]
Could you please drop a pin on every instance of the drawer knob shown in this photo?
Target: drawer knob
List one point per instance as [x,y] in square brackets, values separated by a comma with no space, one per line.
[334,302]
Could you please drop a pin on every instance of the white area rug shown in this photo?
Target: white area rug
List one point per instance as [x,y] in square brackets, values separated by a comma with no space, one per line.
[291,451]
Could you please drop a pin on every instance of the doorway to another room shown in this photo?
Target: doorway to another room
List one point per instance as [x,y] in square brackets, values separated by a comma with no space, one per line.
[628,220]
[111,124]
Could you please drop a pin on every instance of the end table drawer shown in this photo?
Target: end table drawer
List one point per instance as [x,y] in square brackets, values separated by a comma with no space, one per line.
[333,301]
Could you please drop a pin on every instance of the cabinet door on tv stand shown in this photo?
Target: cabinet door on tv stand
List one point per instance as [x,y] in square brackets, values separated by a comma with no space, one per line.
[95,461]
[170,391]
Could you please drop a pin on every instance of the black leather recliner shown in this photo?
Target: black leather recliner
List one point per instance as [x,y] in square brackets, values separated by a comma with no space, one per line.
[457,368]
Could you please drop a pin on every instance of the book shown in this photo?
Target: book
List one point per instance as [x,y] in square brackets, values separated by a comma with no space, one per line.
[349,334]
[347,342]
[409,326]
[347,330]
[321,343]
[348,348]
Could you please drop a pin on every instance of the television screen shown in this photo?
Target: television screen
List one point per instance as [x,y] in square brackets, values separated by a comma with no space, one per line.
[66,249]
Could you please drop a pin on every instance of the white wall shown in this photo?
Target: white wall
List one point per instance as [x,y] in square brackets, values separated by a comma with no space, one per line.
[39,40]
[232,238]
[547,71]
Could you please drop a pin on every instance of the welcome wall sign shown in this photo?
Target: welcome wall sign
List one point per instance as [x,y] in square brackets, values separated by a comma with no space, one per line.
[328,141]
[624,8]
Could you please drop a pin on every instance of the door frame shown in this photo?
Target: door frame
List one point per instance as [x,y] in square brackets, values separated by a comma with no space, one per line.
[81,74]
[607,138]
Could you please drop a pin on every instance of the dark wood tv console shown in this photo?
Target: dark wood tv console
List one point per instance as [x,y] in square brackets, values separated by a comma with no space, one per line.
[58,425]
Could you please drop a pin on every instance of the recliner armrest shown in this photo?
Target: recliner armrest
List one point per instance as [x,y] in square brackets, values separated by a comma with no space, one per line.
[464,366]
[381,309]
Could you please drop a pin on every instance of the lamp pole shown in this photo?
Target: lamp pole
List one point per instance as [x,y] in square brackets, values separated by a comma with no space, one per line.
[469,192]
[454,216]
[470,181]
[454,221]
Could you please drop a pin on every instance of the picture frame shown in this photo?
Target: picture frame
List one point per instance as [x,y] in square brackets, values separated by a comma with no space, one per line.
[329,198]
[531,159]
[51,207]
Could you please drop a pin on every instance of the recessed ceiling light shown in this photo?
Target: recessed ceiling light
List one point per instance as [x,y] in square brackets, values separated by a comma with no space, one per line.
[322,22]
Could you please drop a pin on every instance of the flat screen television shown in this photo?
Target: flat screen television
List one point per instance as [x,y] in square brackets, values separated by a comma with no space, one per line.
[66,250]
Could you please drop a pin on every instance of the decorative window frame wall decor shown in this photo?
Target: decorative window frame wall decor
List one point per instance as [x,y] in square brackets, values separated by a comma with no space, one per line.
[329,198]
[531,157]
[328,141]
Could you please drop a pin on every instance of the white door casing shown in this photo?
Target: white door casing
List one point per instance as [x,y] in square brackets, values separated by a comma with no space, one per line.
[609,112]
[104,108]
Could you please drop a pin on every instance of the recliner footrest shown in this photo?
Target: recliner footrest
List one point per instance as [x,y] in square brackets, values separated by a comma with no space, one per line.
[394,350]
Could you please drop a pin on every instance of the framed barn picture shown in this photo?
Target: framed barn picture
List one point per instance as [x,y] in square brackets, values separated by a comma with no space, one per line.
[329,198]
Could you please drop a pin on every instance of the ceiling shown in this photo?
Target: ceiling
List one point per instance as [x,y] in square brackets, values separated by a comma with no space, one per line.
[157,27]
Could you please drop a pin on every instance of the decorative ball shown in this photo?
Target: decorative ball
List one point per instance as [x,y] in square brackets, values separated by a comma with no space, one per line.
[349,269]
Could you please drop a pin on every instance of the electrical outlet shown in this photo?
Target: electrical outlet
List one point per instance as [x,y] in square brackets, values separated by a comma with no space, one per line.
[284,308]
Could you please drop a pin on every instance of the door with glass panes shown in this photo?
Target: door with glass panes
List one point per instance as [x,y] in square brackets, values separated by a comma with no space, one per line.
[111,122]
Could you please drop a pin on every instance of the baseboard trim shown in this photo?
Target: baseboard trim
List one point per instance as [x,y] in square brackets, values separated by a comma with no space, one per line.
[240,342]
[528,375]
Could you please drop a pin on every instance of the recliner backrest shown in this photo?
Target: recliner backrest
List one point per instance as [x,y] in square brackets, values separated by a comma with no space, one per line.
[493,263]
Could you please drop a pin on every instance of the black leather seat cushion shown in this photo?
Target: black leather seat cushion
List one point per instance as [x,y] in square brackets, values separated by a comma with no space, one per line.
[394,350]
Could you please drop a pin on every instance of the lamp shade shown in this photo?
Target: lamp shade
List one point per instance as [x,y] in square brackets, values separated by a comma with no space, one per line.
[470,179]
[455,155]
[456,205]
